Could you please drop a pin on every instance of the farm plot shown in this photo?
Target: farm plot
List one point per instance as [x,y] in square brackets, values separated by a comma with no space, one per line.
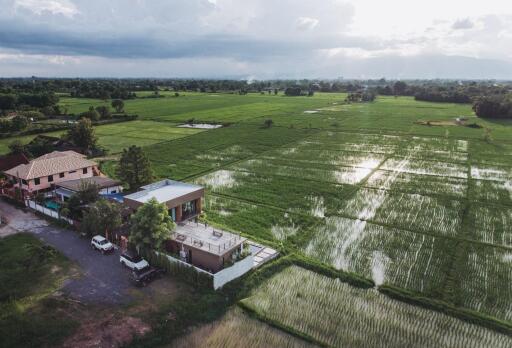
[258,221]
[298,170]
[337,314]
[360,142]
[492,191]
[409,260]
[116,137]
[25,139]
[336,158]
[491,172]
[199,153]
[490,224]
[406,211]
[293,195]
[420,184]
[236,329]
[426,167]
[484,282]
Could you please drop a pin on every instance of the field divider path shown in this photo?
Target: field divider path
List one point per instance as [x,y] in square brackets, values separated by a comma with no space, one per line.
[457,258]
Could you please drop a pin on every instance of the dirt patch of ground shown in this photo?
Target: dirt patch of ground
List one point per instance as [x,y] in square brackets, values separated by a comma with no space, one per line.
[439,123]
[109,330]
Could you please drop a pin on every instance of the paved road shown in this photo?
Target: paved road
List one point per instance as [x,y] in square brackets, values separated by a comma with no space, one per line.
[104,280]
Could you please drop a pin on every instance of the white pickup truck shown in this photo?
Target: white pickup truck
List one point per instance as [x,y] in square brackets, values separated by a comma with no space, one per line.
[102,244]
[133,261]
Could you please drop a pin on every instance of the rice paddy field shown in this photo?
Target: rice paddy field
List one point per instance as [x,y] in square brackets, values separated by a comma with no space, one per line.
[362,188]
[236,329]
[339,315]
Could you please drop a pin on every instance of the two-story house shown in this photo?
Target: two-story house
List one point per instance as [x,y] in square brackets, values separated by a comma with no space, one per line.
[42,173]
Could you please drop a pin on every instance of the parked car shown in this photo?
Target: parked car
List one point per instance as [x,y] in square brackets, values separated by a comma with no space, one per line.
[146,275]
[102,244]
[133,261]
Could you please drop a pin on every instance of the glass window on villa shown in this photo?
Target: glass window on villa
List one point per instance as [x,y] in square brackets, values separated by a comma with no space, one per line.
[61,175]
[37,181]
[24,182]
[50,178]
[85,170]
[189,209]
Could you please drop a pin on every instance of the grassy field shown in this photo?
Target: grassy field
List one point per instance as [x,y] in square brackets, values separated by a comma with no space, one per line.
[29,272]
[236,329]
[115,137]
[339,315]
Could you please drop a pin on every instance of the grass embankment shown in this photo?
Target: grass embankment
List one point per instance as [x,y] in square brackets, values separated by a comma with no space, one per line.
[29,273]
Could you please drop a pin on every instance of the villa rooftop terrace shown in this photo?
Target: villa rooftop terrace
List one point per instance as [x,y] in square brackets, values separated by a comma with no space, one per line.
[207,238]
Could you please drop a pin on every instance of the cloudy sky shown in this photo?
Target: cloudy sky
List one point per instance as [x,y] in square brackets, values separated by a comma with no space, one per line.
[257,38]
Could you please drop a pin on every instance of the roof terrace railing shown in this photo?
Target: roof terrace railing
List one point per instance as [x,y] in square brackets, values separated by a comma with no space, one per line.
[205,245]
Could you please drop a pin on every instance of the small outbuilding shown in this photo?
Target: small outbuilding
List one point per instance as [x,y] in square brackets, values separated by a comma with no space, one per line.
[106,186]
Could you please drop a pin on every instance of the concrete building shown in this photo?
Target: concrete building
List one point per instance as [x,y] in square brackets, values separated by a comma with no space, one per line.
[205,247]
[183,200]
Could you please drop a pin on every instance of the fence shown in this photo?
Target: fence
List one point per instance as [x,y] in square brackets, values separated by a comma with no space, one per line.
[47,211]
[217,280]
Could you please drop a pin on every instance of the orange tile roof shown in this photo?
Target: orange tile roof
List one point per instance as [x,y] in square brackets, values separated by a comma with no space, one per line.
[50,164]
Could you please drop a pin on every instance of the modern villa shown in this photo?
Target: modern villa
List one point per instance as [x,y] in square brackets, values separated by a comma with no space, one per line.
[204,246]
[182,199]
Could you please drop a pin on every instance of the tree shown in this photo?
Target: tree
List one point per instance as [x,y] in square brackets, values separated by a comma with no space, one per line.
[134,167]
[151,226]
[88,192]
[91,114]
[16,146]
[399,88]
[118,104]
[102,217]
[268,123]
[82,134]
[19,123]
[104,112]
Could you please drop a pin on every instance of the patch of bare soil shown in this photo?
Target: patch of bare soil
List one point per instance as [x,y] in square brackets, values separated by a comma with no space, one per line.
[439,123]
[110,331]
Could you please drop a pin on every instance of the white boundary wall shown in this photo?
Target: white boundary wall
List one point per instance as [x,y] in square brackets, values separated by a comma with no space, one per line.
[47,211]
[226,275]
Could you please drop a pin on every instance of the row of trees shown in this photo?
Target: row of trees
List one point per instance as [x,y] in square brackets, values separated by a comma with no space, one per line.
[11,101]
[494,106]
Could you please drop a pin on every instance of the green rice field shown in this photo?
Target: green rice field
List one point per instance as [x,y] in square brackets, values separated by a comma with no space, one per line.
[359,188]
[339,315]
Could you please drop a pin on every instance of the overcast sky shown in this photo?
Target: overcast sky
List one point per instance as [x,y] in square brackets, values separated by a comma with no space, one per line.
[256,38]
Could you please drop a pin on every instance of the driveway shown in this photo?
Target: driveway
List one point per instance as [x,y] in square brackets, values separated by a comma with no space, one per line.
[103,279]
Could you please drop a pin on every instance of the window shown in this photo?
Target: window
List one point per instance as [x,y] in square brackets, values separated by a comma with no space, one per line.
[61,175]
[37,181]
[24,182]
[85,170]
[50,178]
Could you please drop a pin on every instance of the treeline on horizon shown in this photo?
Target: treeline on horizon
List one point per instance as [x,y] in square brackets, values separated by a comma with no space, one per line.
[490,98]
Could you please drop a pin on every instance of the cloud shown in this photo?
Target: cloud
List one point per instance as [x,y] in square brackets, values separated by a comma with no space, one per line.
[463,24]
[39,7]
[257,37]
[306,23]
